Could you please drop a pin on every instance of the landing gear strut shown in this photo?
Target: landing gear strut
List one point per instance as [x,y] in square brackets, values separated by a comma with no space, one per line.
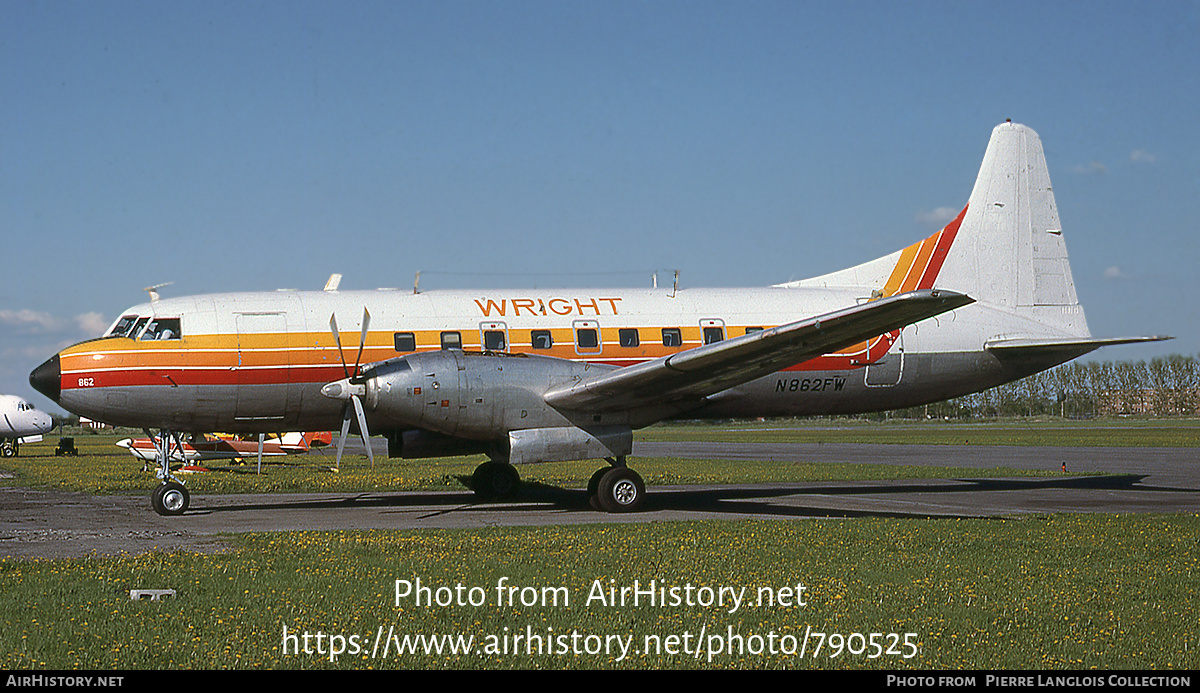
[617,488]
[171,498]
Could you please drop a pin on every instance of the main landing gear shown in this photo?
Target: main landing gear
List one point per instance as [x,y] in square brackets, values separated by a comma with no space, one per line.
[616,488]
[613,489]
[170,498]
[495,480]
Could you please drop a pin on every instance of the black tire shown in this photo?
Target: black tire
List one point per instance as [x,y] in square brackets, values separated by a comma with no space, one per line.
[594,482]
[170,499]
[593,488]
[9,448]
[621,491]
[495,480]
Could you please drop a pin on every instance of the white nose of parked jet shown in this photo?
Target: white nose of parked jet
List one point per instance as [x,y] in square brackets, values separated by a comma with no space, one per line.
[42,422]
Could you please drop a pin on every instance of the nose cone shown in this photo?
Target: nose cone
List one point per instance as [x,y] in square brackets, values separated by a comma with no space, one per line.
[42,422]
[47,378]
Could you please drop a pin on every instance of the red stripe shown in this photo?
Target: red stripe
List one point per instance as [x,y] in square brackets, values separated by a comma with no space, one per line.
[940,252]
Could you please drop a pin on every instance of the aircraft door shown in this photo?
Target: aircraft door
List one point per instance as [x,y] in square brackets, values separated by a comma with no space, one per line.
[888,369]
[262,372]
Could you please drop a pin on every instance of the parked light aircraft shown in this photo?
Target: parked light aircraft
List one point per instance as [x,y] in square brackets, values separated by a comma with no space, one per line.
[544,375]
[22,423]
[199,447]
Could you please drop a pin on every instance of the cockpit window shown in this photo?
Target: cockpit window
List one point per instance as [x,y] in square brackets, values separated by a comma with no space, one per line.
[137,327]
[124,326]
[161,328]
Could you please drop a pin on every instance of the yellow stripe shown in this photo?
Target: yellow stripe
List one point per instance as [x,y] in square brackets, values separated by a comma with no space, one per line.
[901,270]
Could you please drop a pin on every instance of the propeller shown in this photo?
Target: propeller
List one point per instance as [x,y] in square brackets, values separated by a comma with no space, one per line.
[350,391]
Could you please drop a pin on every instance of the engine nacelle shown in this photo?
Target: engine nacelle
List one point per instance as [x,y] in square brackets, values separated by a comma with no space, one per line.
[481,396]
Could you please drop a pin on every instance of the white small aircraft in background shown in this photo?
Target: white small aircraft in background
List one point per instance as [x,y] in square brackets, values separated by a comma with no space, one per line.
[20,423]
[553,375]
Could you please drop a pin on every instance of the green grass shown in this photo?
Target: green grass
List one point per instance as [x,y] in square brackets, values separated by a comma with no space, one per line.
[1034,432]
[1053,592]
[1046,592]
[102,467]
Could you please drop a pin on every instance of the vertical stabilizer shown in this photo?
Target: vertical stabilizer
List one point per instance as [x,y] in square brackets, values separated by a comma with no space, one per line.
[1009,251]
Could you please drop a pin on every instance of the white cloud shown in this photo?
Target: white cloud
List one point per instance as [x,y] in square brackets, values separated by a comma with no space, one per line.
[1115,272]
[30,321]
[1093,167]
[1141,156]
[92,324]
[938,217]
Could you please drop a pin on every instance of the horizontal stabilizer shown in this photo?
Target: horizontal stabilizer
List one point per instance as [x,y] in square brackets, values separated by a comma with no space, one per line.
[708,369]
[1077,346]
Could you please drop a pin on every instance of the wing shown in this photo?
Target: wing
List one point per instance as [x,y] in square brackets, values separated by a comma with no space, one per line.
[705,370]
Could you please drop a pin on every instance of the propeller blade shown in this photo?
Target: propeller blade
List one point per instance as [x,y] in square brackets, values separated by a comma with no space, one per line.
[362,341]
[337,339]
[358,408]
[362,427]
[342,438]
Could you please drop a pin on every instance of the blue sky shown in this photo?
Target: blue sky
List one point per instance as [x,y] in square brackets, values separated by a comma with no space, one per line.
[227,146]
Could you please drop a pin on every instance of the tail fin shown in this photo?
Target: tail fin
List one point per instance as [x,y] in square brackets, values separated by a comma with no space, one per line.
[1009,250]
[1004,249]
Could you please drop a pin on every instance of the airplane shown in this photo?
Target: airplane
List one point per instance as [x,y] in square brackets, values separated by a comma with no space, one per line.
[23,423]
[199,447]
[553,375]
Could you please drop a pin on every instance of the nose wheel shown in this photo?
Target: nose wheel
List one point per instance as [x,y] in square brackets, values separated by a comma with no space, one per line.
[170,498]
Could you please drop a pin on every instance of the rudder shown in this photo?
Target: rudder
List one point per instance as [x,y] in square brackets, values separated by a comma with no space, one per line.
[1009,250]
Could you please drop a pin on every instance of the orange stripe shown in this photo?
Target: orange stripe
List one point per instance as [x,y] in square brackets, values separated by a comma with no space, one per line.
[922,261]
[901,270]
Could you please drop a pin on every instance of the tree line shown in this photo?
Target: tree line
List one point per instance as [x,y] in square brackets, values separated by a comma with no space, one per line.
[1164,386]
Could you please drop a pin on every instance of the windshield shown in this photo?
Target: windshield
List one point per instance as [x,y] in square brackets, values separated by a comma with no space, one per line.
[123,327]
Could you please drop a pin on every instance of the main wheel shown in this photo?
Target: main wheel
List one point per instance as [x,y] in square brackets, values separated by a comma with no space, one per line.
[493,480]
[9,448]
[621,491]
[170,498]
[593,489]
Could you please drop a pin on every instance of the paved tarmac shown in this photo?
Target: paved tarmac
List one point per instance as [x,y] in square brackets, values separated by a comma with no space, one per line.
[53,524]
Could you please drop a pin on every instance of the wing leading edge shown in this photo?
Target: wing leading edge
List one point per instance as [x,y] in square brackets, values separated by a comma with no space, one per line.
[708,369]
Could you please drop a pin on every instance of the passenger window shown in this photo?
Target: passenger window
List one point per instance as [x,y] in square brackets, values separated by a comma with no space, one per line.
[541,339]
[452,340]
[162,328]
[629,337]
[493,340]
[672,337]
[713,334]
[585,338]
[405,341]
